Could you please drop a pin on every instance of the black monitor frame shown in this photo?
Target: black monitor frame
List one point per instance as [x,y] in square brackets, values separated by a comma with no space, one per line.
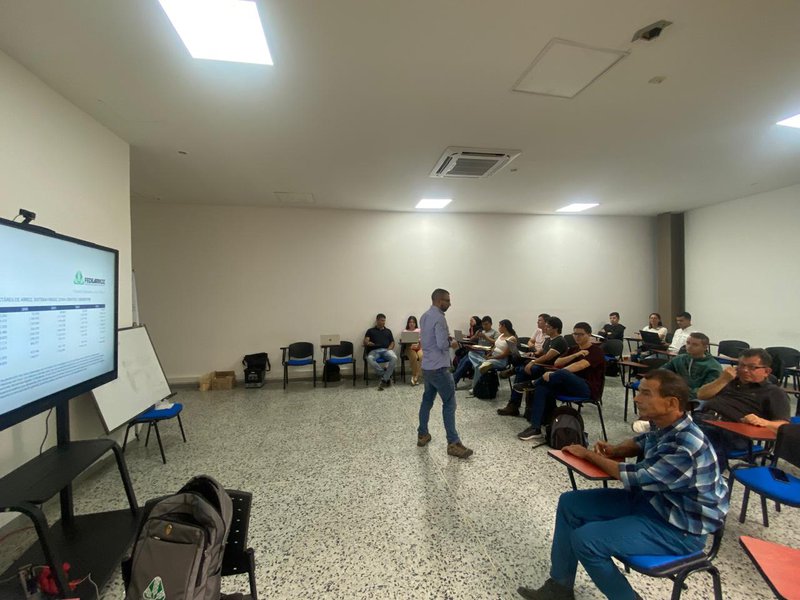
[61,398]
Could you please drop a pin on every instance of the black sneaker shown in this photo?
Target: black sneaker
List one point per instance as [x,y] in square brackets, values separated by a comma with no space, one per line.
[525,386]
[387,383]
[551,590]
[531,433]
[506,373]
[382,385]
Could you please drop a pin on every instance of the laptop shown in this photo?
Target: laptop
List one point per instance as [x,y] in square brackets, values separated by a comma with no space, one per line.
[459,335]
[651,337]
[409,337]
[329,340]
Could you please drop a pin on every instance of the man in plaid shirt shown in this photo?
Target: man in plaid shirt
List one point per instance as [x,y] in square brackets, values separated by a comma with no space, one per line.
[672,498]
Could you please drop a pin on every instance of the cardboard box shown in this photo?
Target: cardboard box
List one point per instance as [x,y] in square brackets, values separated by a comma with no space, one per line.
[223,380]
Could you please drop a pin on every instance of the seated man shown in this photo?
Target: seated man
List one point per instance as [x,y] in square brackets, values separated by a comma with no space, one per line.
[581,372]
[612,330]
[684,321]
[741,393]
[670,500]
[533,347]
[696,366]
[485,337]
[554,346]
[379,342]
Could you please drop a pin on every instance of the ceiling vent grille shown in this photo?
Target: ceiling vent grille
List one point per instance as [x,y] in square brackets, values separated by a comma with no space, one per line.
[472,162]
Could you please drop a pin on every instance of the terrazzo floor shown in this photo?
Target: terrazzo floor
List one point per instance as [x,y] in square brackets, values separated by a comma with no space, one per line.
[346,506]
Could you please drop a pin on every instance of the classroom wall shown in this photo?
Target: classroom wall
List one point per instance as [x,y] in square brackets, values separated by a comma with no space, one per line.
[743,268]
[218,282]
[73,173]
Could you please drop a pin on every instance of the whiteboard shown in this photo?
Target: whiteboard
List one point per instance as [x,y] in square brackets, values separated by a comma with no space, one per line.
[140,381]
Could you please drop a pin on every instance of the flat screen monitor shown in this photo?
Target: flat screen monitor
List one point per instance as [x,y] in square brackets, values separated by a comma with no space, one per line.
[58,319]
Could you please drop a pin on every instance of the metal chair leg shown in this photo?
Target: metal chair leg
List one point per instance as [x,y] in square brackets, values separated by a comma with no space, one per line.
[180,424]
[160,445]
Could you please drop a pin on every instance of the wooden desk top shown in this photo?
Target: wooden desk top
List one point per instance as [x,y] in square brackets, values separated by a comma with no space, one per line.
[752,432]
[580,465]
[625,362]
[777,565]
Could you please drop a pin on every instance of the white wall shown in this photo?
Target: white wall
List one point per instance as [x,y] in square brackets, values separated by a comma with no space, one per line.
[743,268]
[216,282]
[73,173]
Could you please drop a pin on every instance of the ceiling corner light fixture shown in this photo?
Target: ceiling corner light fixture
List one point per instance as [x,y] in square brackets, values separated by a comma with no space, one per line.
[791,122]
[227,30]
[433,203]
[577,207]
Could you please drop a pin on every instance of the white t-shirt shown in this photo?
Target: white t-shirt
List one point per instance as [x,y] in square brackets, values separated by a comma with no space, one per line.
[537,340]
[679,338]
[661,331]
[501,345]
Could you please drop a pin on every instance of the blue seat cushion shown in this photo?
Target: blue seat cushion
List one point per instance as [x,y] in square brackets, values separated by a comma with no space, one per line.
[159,415]
[756,449]
[650,562]
[573,399]
[610,357]
[341,360]
[760,481]
[298,362]
[381,359]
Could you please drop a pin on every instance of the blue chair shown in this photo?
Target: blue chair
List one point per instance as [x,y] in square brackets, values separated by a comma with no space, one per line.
[761,480]
[580,401]
[678,568]
[340,355]
[298,354]
[151,417]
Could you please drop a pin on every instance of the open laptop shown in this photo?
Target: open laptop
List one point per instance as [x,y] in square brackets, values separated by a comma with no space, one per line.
[409,337]
[459,335]
[329,340]
[651,337]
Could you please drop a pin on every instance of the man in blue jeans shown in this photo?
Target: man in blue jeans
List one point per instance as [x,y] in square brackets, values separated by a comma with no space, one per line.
[436,343]
[379,343]
[671,500]
[579,372]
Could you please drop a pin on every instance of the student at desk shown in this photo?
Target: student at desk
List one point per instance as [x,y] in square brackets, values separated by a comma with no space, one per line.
[497,357]
[670,501]
[485,337]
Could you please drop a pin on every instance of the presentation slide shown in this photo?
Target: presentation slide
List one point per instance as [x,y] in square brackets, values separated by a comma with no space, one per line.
[56,315]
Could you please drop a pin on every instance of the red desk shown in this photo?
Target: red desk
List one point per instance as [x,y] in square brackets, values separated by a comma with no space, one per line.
[777,565]
[751,432]
[580,465]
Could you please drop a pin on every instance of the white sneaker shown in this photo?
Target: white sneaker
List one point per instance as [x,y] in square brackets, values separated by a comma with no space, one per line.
[640,426]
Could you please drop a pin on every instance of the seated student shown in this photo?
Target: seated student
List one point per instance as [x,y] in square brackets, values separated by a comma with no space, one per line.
[697,367]
[485,337]
[414,351]
[741,393]
[581,371]
[612,330]
[497,357]
[670,501]
[554,346]
[379,342]
[534,346]
[472,332]
[654,325]
[684,321]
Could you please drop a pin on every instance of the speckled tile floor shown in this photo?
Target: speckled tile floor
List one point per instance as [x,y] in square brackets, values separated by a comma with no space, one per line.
[346,506]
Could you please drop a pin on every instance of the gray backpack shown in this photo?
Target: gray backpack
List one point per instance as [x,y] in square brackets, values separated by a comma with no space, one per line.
[178,552]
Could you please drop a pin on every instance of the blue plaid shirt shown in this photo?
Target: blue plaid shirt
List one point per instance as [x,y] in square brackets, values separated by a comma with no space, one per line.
[680,477]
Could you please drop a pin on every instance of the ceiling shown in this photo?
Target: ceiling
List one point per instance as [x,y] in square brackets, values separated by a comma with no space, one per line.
[365,95]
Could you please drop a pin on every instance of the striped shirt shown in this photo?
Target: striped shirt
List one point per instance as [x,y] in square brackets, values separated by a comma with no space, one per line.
[680,477]
[435,339]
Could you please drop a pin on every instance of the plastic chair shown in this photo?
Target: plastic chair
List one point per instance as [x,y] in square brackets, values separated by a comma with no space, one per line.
[570,340]
[612,351]
[341,355]
[761,481]
[298,354]
[789,359]
[151,417]
[731,348]
[580,401]
[679,567]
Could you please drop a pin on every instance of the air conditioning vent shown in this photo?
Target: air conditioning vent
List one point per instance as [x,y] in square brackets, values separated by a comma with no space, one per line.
[472,162]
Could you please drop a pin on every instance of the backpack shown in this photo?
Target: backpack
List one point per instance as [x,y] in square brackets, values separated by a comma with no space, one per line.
[178,550]
[565,428]
[255,365]
[331,372]
[486,388]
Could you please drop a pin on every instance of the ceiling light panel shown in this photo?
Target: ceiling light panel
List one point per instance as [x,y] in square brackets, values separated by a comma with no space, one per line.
[433,202]
[791,122]
[564,68]
[227,30]
[577,207]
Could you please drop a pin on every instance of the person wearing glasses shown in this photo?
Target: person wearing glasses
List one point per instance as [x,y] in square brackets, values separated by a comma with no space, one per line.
[742,393]
[579,372]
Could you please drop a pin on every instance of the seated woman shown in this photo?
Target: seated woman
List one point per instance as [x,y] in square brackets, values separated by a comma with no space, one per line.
[474,329]
[654,325]
[497,357]
[414,351]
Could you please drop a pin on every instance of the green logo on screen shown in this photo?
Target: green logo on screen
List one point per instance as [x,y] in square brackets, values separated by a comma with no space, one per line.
[155,591]
[78,278]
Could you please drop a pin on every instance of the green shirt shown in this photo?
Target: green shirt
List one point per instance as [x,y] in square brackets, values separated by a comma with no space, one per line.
[695,371]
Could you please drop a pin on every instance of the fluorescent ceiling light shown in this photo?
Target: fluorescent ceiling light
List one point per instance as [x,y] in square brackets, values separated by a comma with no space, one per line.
[791,122]
[433,202]
[577,207]
[228,30]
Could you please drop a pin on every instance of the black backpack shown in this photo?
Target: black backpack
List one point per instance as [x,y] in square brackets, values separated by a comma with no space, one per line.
[255,366]
[331,372]
[565,428]
[486,388]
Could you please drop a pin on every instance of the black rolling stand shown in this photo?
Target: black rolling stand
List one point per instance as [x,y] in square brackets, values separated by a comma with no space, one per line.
[92,544]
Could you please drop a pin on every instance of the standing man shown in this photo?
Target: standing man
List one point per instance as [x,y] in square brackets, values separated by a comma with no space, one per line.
[613,330]
[379,342]
[436,343]
[684,321]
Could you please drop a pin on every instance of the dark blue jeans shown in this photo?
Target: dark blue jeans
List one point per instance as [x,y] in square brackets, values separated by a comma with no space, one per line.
[523,377]
[472,359]
[594,525]
[562,382]
[723,442]
[441,381]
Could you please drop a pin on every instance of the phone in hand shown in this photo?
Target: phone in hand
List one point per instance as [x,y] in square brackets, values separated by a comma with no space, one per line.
[778,475]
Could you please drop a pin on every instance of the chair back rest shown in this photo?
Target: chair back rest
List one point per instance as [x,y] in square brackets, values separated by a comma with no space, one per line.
[570,339]
[343,350]
[523,340]
[300,350]
[787,446]
[790,357]
[731,348]
[613,348]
